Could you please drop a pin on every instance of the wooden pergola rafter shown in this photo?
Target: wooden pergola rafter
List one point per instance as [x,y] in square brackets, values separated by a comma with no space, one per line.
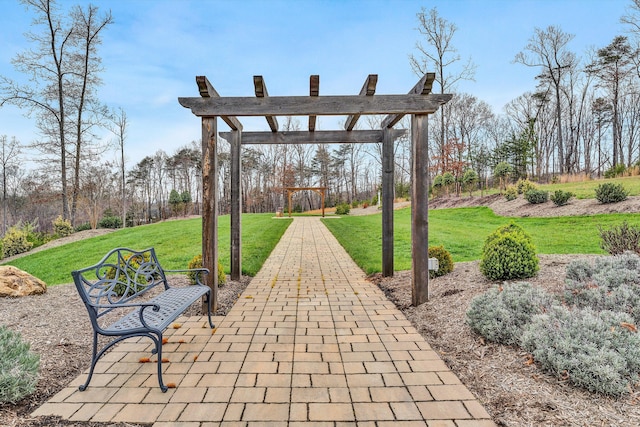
[419,103]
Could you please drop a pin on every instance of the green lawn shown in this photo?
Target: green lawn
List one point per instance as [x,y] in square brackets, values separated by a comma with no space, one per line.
[462,232]
[582,189]
[587,189]
[176,242]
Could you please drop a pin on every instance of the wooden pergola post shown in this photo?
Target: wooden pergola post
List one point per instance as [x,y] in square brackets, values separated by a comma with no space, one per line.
[210,205]
[388,169]
[236,205]
[419,209]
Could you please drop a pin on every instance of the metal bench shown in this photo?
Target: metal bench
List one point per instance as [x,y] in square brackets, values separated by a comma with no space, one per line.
[116,286]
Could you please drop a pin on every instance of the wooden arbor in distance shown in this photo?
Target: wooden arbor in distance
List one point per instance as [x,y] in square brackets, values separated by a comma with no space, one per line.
[419,102]
[320,190]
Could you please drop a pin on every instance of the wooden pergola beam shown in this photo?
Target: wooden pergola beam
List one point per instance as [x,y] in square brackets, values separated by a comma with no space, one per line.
[317,137]
[368,89]
[261,92]
[423,87]
[314,91]
[315,106]
[207,90]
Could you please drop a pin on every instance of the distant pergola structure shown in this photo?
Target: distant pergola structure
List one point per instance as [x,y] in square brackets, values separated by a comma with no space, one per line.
[320,190]
[419,103]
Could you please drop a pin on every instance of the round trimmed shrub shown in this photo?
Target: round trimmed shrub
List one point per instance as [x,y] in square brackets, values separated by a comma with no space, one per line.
[508,253]
[343,209]
[445,262]
[18,367]
[609,192]
[536,196]
[561,198]
[502,313]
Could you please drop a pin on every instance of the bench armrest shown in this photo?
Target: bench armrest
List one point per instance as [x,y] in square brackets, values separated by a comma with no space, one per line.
[143,306]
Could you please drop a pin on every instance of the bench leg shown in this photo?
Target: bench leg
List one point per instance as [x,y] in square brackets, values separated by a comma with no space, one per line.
[94,360]
[158,351]
[208,300]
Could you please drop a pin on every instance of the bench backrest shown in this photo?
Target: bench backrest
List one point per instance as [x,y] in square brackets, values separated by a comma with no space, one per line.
[120,276]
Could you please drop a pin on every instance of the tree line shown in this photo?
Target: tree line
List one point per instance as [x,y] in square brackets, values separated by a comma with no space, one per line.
[583,117]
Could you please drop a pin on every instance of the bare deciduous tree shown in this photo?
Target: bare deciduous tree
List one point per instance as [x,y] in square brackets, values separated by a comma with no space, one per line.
[548,50]
[62,73]
[9,159]
[439,53]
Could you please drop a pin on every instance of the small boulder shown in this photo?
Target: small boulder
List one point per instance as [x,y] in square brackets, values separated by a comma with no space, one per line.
[16,283]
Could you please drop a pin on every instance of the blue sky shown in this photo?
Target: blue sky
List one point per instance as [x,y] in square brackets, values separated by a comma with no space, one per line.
[155,48]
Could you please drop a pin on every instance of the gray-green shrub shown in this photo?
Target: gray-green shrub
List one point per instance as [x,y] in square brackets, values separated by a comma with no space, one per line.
[508,253]
[18,367]
[599,351]
[612,283]
[609,192]
[501,314]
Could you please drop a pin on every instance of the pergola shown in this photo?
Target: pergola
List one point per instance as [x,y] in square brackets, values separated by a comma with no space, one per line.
[320,190]
[419,103]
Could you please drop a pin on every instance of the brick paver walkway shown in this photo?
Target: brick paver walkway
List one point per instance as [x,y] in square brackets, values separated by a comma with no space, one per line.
[309,341]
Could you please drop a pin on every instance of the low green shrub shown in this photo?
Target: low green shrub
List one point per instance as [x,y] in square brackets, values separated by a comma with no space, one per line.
[620,238]
[343,209]
[18,367]
[511,193]
[82,227]
[599,351]
[508,253]
[609,192]
[561,198]
[62,227]
[536,196]
[501,314]
[615,171]
[16,241]
[445,261]
[110,222]
[196,262]
[524,185]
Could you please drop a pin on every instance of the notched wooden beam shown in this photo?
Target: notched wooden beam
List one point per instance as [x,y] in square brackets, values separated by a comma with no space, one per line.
[315,106]
[207,90]
[423,87]
[368,89]
[314,90]
[261,92]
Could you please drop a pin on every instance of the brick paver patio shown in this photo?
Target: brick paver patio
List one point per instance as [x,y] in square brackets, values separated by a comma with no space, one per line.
[309,341]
